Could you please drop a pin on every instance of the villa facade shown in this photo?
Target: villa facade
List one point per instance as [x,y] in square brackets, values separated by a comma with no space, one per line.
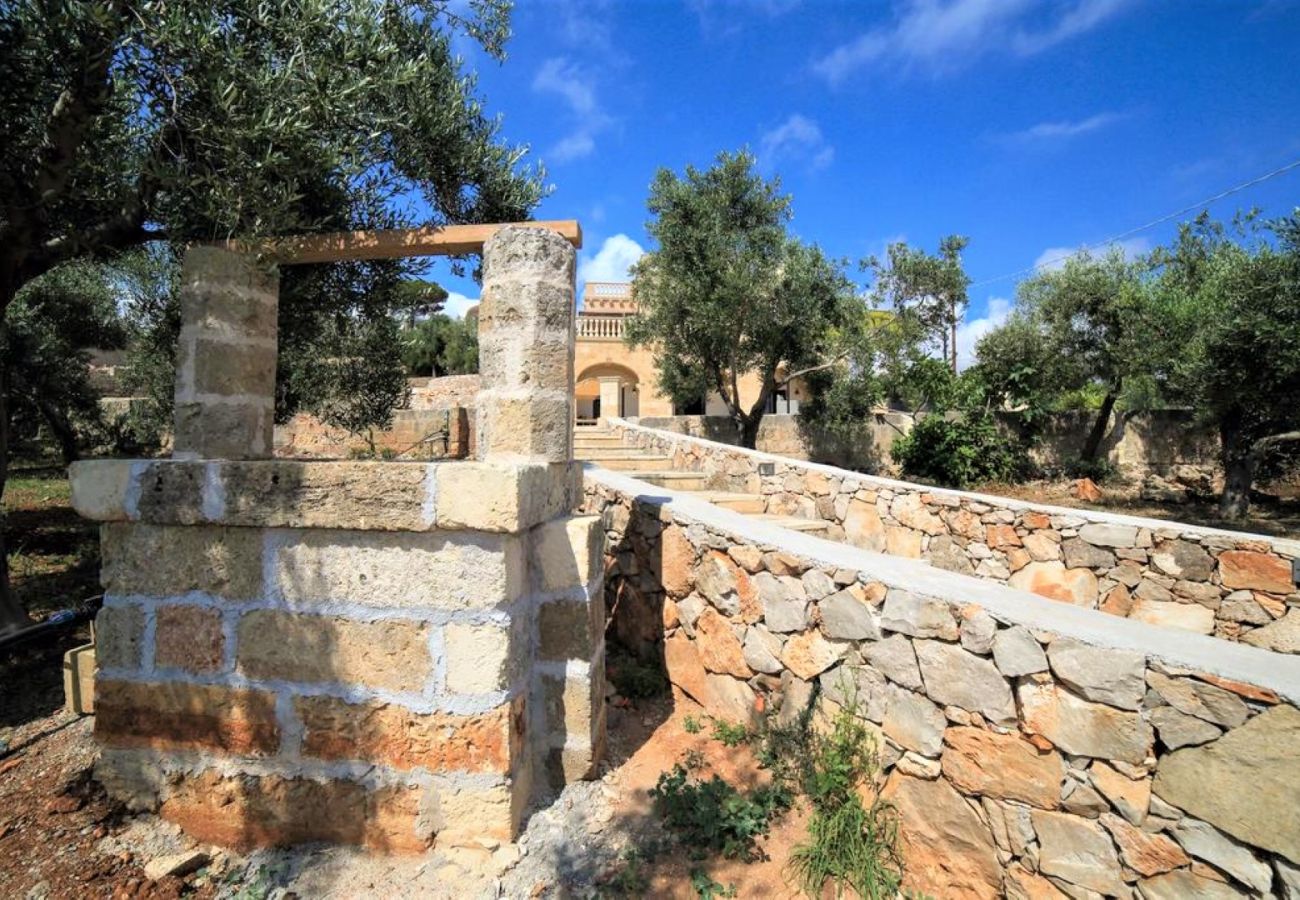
[612,378]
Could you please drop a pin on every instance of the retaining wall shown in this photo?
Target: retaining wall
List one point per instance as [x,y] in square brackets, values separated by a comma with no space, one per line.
[1032,749]
[1232,585]
[425,434]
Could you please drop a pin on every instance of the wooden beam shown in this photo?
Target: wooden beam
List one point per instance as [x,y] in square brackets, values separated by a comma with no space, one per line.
[449,240]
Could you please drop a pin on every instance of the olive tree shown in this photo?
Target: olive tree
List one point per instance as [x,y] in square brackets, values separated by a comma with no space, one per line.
[727,291]
[129,121]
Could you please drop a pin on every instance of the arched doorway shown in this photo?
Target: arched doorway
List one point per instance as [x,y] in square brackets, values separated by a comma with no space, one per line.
[606,389]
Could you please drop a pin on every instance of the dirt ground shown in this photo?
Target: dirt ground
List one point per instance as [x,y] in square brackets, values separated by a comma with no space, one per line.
[1276,513]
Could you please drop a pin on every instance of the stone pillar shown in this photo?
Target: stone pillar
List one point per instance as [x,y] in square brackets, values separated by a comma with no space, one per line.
[611,392]
[526,340]
[225,362]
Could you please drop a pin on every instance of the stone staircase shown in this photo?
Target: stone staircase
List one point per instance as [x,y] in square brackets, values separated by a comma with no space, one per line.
[598,446]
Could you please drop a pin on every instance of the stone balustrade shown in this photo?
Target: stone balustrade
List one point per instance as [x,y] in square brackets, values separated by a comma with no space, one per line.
[1209,581]
[1031,748]
[380,653]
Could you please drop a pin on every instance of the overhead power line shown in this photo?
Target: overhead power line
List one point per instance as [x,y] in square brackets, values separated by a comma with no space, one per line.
[1152,224]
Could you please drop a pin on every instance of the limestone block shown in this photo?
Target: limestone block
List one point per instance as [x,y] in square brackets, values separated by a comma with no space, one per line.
[390,654]
[525,425]
[503,496]
[164,561]
[948,848]
[325,494]
[1216,848]
[390,735]
[719,648]
[762,650]
[247,811]
[859,686]
[1255,571]
[232,369]
[1182,884]
[955,677]
[525,356]
[180,716]
[914,722]
[807,655]
[846,617]
[1017,652]
[464,814]
[119,636]
[235,429]
[1078,851]
[1243,783]
[895,658]
[170,492]
[912,614]
[1106,676]
[568,553]
[1003,766]
[1083,728]
[1166,614]
[1197,698]
[441,570]
[481,658]
[189,638]
[571,629]
[99,488]
[574,710]
[1108,535]
[1054,581]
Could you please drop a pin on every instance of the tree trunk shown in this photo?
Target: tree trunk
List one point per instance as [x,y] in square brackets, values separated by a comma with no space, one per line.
[12,615]
[1238,468]
[954,342]
[62,430]
[1093,444]
[749,431]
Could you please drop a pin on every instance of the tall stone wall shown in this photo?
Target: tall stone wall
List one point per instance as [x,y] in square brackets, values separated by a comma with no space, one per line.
[1234,586]
[1032,749]
[387,654]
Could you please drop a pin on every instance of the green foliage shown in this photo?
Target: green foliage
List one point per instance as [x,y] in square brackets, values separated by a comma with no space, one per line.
[441,345]
[633,678]
[730,734]
[926,293]
[713,816]
[51,327]
[706,888]
[850,843]
[727,291]
[630,880]
[692,725]
[958,452]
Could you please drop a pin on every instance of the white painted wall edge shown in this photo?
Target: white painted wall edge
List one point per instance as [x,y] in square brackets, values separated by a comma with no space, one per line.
[1283,545]
[1278,672]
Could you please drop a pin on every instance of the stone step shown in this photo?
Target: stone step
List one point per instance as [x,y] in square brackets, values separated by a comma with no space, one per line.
[630,463]
[744,503]
[793,523]
[675,481]
[616,452]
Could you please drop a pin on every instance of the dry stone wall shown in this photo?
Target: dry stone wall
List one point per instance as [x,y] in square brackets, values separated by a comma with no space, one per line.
[1234,586]
[1032,749]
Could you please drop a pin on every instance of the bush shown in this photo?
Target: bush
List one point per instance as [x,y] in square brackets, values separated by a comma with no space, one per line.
[959,452]
[713,816]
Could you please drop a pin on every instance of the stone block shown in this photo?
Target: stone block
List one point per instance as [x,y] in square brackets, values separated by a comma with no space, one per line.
[525,425]
[918,616]
[402,570]
[223,430]
[1109,676]
[462,814]
[1004,766]
[525,356]
[574,711]
[119,636]
[1251,570]
[568,553]
[220,308]
[481,658]
[390,654]
[1083,728]
[100,488]
[571,629]
[189,638]
[390,735]
[955,677]
[164,561]
[180,716]
[232,369]
[506,497]
[370,496]
[248,811]
[171,493]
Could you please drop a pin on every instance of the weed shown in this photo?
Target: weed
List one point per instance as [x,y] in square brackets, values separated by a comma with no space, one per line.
[694,760]
[713,816]
[849,844]
[633,678]
[706,888]
[630,880]
[730,734]
[692,725]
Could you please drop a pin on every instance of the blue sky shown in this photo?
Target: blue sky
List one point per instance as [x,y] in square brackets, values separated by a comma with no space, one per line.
[1032,126]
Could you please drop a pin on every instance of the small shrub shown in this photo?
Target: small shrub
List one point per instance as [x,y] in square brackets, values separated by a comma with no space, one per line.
[706,888]
[692,725]
[729,733]
[630,880]
[1098,470]
[633,678]
[959,452]
[713,816]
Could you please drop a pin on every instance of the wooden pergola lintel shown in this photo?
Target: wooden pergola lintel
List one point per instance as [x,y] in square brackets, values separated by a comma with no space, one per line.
[449,240]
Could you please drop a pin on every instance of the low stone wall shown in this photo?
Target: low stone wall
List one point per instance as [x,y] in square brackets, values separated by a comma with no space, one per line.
[374,653]
[447,391]
[426,434]
[1235,586]
[1032,749]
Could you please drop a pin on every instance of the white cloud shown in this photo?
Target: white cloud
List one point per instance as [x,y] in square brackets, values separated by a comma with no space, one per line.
[575,86]
[797,139]
[458,304]
[970,331]
[943,35]
[728,17]
[1064,130]
[612,261]
[1054,258]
